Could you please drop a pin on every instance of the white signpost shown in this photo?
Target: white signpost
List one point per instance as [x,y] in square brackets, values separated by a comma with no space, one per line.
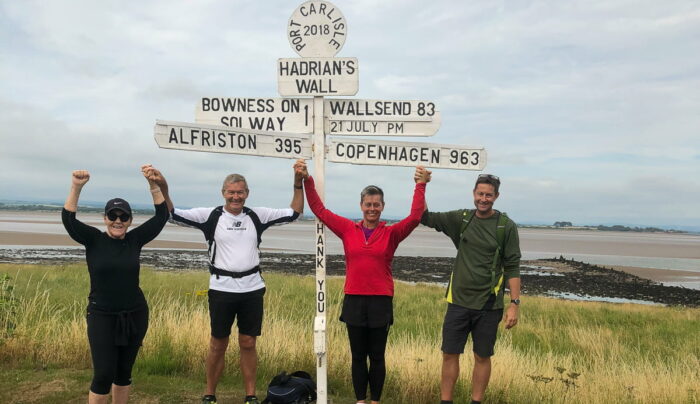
[317,29]
[274,127]
[293,115]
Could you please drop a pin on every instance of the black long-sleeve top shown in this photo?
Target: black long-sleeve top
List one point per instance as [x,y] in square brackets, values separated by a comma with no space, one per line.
[114,264]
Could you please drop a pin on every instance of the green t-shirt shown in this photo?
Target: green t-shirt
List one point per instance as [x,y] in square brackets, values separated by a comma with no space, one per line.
[471,281]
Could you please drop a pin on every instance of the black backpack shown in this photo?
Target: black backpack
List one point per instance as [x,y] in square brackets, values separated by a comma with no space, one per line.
[296,388]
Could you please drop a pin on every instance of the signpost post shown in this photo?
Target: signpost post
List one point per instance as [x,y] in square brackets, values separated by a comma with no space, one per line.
[297,128]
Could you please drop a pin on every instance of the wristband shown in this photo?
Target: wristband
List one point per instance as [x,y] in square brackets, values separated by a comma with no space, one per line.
[155,190]
[298,187]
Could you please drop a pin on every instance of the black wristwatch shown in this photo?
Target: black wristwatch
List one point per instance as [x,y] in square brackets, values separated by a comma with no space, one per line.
[515,301]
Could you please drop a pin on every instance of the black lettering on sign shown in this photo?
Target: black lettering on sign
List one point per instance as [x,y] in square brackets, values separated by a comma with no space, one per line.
[234,121]
[319,86]
[266,123]
[238,104]
[173,136]
[464,157]
[320,297]
[394,127]
[205,138]
[288,145]
[290,105]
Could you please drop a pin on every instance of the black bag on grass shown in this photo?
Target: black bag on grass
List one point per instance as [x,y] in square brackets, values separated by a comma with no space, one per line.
[296,388]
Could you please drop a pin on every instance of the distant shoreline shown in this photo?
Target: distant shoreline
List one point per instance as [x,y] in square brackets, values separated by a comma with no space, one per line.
[557,277]
[28,207]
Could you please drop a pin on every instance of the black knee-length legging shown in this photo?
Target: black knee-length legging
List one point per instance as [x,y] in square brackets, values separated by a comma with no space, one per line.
[368,342]
[112,358]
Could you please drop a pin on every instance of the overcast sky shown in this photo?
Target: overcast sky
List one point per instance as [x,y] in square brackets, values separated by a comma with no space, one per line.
[589,110]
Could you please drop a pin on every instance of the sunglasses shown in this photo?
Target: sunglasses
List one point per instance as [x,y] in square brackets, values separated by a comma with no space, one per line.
[112,215]
[489,177]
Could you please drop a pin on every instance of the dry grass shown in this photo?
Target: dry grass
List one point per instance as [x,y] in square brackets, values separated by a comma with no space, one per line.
[561,352]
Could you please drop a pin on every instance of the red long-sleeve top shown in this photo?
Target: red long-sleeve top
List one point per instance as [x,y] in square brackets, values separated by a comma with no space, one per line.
[367,262]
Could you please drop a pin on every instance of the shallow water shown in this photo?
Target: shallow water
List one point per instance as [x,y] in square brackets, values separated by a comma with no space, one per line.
[646,250]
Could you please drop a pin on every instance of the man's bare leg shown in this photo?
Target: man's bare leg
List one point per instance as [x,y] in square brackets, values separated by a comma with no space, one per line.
[249,362]
[450,373]
[215,363]
[480,377]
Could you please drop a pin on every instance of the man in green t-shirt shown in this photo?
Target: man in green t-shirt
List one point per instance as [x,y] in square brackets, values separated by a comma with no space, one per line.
[488,259]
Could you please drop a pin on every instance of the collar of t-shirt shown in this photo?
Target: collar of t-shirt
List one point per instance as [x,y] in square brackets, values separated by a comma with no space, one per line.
[367,232]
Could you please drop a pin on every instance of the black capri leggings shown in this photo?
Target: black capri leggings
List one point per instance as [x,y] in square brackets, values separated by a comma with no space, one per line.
[368,342]
[115,339]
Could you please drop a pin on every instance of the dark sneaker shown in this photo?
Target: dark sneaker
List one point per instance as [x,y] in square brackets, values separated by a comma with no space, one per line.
[251,400]
[209,399]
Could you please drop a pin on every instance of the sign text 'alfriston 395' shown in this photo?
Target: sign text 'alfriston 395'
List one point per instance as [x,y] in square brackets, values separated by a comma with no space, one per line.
[219,139]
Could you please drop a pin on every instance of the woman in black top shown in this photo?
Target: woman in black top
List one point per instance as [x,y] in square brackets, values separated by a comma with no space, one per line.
[117,312]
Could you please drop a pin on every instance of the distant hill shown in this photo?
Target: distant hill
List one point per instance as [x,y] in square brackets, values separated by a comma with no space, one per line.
[41,207]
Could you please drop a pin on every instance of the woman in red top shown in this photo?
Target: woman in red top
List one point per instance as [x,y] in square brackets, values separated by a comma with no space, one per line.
[369,286]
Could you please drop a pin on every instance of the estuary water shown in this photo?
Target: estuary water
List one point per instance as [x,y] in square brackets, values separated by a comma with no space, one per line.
[662,251]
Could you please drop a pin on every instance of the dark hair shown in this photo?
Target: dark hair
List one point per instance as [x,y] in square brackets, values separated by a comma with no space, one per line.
[488,179]
[371,190]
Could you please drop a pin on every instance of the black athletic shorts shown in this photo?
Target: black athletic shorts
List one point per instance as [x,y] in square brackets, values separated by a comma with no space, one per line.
[461,321]
[373,311]
[224,307]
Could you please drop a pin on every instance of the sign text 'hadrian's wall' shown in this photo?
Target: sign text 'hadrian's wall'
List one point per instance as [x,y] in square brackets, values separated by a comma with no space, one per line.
[317,76]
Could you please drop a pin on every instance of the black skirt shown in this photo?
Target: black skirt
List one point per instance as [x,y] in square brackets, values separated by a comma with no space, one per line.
[373,311]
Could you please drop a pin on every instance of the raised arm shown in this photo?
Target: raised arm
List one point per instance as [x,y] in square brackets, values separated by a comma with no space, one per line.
[150,174]
[337,224]
[298,197]
[403,228]
[159,181]
[79,179]
[153,226]
[76,229]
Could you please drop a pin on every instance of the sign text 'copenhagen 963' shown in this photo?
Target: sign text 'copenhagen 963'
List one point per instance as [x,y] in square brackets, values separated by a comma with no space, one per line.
[376,152]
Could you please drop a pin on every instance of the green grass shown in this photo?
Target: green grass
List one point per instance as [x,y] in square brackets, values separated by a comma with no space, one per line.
[561,351]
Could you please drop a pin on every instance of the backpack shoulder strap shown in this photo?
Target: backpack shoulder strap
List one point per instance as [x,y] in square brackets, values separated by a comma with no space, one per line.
[467,217]
[498,256]
[209,228]
[501,229]
[259,228]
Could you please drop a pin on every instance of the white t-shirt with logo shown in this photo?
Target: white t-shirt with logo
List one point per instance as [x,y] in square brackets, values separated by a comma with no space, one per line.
[236,243]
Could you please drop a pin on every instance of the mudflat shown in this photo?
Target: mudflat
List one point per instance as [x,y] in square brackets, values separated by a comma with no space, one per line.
[662,257]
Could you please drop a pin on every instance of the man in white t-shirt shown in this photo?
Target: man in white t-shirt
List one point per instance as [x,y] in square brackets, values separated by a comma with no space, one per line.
[236,288]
